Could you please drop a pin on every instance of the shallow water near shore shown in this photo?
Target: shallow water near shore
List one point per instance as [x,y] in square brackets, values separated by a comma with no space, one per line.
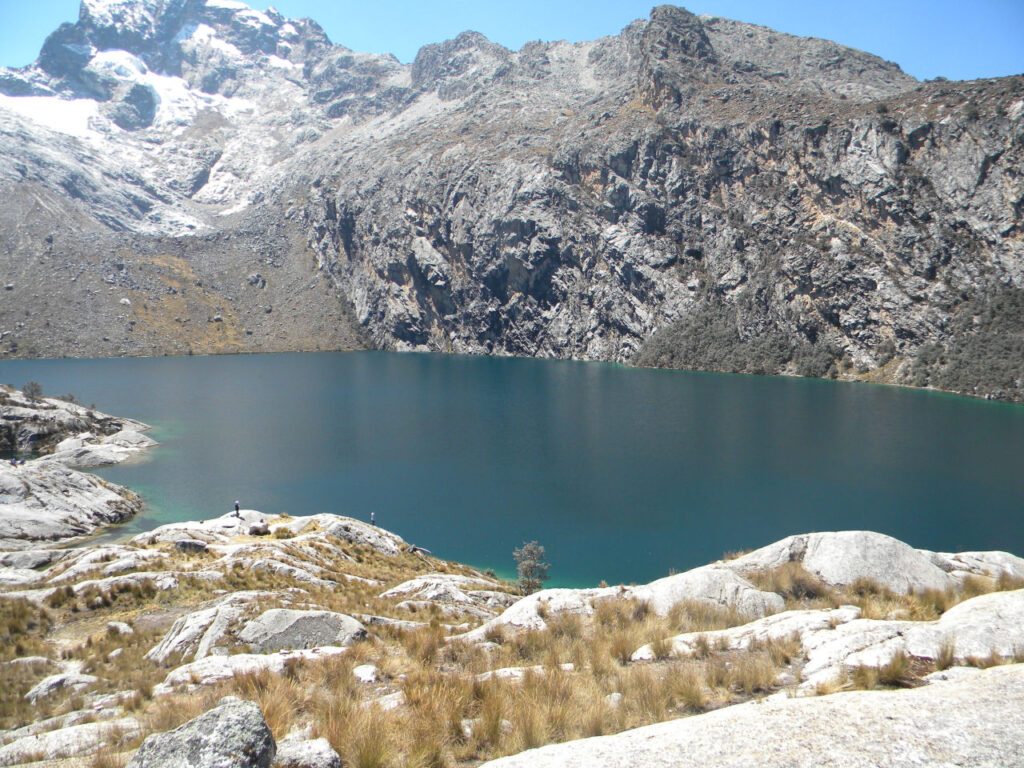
[623,474]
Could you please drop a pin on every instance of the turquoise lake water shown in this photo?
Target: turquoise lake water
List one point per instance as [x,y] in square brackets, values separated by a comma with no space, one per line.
[622,474]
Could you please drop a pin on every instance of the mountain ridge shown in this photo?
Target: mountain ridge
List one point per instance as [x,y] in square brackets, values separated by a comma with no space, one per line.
[694,192]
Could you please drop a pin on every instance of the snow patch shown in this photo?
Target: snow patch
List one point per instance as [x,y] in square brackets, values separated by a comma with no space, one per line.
[233,5]
[201,34]
[234,209]
[251,17]
[120,64]
[277,61]
[69,116]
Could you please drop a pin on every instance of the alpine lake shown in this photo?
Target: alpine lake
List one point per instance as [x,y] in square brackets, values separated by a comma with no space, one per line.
[623,474]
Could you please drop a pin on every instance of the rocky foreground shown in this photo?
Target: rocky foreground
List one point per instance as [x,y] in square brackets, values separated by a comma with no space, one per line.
[253,640]
[42,496]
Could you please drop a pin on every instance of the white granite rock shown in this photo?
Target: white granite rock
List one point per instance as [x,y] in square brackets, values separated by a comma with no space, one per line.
[315,753]
[439,587]
[975,721]
[72,741]
[214,669]
[365,673]
[777,627]
[53,683]
[283,629]
[48,502]
[712,584]
[194,635]
[87,450]
[841,558]
[527,612]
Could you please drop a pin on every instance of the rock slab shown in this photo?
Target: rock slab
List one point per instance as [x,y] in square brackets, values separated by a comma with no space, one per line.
[283,629]
[976,721]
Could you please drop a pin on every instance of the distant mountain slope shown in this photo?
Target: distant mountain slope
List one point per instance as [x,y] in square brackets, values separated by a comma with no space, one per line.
[694,192]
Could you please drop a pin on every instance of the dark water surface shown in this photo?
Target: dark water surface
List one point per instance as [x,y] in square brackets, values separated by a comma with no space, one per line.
[622,474]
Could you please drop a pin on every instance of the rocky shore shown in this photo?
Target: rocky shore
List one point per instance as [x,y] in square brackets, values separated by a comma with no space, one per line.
[255,640]
[43,498]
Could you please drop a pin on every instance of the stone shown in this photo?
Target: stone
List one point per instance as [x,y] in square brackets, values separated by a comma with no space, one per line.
[66,742]
[232,735]
[712,584]
[196,634]
[283,628]
[49,502]
[972,721]
[365,673]
[709,584]
[49,685]
[315,753]
[516,674]
[190,546]
[216,668]
[526,613]
[991,564]
[441,587]
[119,628]
[841,558]
[358,532]
[780,626]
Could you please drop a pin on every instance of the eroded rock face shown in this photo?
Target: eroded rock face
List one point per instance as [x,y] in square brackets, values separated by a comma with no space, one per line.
[286,629]
[232,735]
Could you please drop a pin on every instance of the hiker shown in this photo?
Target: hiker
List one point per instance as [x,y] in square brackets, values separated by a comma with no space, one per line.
[237,509]
[372,514]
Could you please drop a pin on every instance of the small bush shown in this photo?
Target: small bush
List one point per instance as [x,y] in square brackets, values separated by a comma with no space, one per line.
[530,565]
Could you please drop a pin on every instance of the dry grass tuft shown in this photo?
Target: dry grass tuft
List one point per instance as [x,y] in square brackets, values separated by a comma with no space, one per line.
[947,655]
[792,581]
[864,678]
[898,672]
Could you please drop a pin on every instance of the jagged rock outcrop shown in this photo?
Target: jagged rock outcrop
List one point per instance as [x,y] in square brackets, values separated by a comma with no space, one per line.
[693,192]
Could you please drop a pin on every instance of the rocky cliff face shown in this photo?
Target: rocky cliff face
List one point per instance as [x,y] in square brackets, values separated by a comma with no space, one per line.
[693,192]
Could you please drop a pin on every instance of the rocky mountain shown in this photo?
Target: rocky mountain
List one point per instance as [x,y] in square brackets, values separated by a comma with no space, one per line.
[694,192]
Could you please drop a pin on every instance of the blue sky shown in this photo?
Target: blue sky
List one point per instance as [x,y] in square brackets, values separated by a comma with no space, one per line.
[949,38]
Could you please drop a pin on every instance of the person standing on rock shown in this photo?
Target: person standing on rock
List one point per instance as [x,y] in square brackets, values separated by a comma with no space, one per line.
[372,515]
[237,509]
